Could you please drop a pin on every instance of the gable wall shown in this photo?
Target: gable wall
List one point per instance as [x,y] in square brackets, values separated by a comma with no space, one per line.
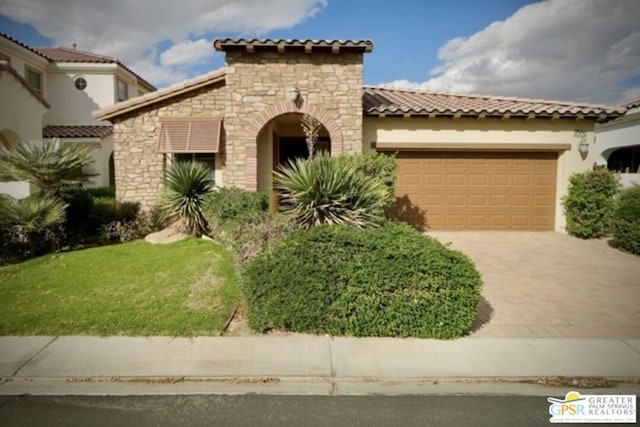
[139,167]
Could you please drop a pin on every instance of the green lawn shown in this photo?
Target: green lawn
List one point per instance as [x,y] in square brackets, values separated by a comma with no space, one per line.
[186,288]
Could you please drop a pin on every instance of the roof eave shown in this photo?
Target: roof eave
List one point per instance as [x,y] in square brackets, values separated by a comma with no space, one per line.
[128,107]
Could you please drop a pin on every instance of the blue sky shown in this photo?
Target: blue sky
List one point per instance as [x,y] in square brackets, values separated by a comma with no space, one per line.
[582,50]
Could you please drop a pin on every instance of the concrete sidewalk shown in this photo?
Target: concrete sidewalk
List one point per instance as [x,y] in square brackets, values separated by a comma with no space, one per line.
[297,364]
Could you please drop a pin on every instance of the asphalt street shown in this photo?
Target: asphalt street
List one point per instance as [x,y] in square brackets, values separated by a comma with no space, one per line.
[265,410]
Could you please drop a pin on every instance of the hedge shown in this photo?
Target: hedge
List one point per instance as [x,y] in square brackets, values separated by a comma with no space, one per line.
[626,221]
[385,281]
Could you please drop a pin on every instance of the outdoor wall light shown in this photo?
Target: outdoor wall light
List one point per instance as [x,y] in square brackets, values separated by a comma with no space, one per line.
[583,147]
[294,94]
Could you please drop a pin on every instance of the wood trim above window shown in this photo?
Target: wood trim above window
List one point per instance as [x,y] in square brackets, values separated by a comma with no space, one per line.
[190,135]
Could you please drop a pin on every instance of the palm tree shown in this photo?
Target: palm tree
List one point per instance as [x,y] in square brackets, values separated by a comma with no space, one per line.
[187,184]
[47,165]
[33,225]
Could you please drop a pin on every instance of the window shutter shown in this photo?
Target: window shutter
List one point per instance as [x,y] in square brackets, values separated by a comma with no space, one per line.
[190,135]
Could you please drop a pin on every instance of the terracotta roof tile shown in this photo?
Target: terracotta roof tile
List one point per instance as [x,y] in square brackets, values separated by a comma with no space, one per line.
[5,66]
[77,131]
[632,104]
[307,45]
[19,43]
[64,54]
[381,100]
[160,95]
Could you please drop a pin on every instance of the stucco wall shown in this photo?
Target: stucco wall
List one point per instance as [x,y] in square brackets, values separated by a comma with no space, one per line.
[624,132]
[492,131]
[72,106]
[139,168]
[331,84]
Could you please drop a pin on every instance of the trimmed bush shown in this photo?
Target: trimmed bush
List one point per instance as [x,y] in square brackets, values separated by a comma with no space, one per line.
[380,166]
[328,190]
[383,281]
[626,221]
[590,202]
[229,203]
[78,223]
[250,234]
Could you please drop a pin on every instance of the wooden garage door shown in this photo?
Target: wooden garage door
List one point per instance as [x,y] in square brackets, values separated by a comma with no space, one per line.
[476,190]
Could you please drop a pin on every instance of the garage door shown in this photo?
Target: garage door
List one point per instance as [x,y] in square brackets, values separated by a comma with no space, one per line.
[476,190]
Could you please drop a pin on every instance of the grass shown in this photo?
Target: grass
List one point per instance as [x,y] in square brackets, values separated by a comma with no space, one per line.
[186,288]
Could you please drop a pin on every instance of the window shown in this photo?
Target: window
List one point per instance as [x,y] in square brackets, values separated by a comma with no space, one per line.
[123,91]
[34,79]
[80,83]
[208,159]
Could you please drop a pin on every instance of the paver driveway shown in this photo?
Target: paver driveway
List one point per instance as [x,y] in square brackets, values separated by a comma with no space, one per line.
[546,284]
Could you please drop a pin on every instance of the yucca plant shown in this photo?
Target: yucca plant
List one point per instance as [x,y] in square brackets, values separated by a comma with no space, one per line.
[48,165]
[323,190]
[187,184]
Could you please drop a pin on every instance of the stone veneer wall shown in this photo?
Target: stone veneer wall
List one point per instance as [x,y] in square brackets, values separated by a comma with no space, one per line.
[330,87]
[139,168]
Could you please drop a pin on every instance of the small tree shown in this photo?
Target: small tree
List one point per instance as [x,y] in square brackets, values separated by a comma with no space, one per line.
[590,202]
[311,128]
[47,165]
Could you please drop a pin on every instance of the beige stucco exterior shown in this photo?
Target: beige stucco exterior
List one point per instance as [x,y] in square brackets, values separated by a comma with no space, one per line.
[490,134]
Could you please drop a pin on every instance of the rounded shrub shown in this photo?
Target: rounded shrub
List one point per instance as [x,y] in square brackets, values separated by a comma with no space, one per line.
[590,203]
[626,221]
[383,281]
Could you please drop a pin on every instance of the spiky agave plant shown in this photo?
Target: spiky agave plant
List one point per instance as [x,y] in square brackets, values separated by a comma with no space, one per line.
[48,165]
[186,184]
[323,190]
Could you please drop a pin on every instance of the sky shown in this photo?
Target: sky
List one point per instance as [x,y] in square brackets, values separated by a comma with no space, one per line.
[572,50]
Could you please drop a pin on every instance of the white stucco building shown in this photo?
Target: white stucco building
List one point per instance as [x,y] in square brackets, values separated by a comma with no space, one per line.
[51,92]
[618,144]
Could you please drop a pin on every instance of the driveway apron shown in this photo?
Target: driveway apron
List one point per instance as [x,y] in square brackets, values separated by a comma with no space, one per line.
[550,285]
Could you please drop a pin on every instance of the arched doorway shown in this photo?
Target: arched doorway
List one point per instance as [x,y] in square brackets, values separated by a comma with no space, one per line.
[281,141]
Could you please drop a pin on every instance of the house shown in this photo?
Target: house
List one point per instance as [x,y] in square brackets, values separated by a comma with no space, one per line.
[51,92]
[618,144]
[465,161]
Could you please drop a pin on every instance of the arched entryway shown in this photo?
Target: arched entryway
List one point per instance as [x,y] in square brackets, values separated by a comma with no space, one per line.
[259,150]
[280,142]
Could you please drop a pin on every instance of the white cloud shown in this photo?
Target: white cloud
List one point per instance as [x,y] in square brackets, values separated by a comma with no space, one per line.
[187,53]
[579,50]
[132,31]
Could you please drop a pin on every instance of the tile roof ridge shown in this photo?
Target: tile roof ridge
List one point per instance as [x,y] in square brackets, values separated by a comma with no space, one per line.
[79,51]
[24,45]
[493,97]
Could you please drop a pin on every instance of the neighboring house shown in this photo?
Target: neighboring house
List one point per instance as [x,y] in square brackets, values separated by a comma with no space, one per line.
[618,144]
[465,161]
[51,92]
